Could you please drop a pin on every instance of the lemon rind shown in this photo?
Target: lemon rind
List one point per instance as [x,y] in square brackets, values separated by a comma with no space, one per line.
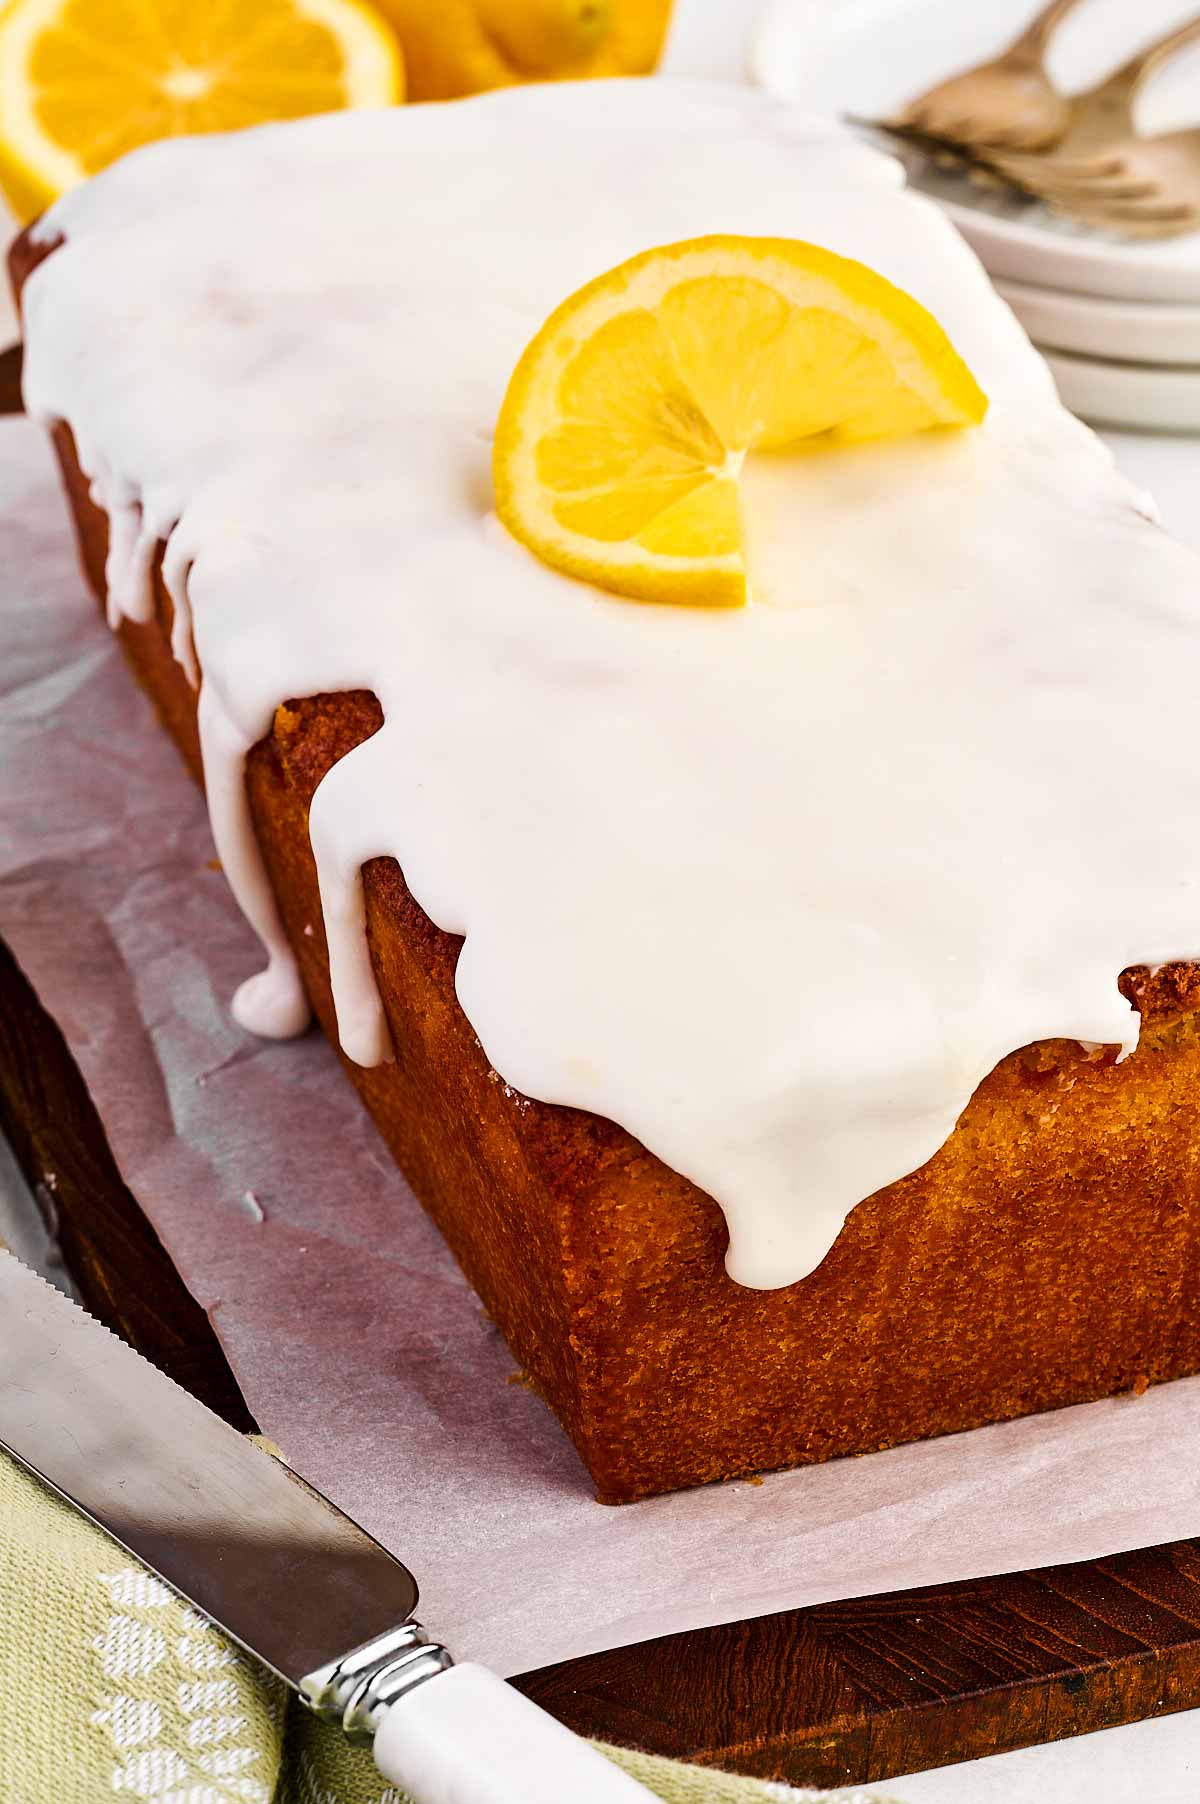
[36,168]
[806,275]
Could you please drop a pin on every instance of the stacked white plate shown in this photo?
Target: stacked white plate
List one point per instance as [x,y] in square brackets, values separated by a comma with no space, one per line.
[1118,322]
[1121,363]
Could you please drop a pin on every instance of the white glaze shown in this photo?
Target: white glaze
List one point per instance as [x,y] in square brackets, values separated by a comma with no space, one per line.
[272,1002]
[772,888]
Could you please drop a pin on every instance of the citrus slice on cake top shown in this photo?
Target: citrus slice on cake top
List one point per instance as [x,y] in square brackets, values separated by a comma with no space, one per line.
[626,423]
[83,81]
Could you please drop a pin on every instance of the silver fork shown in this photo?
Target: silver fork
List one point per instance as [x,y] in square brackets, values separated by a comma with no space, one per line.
[1104,173]
[1007,101]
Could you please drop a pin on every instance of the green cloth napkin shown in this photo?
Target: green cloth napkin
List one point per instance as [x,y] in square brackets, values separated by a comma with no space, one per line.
[111,1685]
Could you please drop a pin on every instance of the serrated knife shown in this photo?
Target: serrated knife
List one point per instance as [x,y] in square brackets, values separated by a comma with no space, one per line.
[273,1563]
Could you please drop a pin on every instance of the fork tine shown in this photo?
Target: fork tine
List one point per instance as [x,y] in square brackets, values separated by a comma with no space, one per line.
[977,136]
[1155,219]
[1100,193]
[998,139]
[1011,141]
[1180,228]
[1145,213]
[1073,169]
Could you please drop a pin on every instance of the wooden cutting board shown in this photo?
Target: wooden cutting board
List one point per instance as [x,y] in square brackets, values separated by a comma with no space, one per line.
[843,1693]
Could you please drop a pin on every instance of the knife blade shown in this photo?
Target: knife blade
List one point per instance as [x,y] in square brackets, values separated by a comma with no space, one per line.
[272,1562]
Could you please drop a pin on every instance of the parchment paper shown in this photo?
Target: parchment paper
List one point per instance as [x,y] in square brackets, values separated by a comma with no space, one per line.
[358,1345]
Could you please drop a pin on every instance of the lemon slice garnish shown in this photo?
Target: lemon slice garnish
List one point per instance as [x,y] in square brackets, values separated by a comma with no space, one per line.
[83,81]
[626,423]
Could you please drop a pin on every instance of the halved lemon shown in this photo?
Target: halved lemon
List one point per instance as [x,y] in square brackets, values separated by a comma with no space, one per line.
[83,81]
[626,422]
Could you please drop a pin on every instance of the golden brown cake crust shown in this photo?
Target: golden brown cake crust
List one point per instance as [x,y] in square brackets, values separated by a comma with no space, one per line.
[1046,1255]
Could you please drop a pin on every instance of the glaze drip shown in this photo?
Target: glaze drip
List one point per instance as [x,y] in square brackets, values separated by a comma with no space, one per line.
[773,888]
[273,1002]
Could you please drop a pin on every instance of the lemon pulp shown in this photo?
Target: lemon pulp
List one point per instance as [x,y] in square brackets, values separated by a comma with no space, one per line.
[623,432]
[83,81]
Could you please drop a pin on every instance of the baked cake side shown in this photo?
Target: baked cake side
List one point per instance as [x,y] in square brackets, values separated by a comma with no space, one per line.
[1046,1255]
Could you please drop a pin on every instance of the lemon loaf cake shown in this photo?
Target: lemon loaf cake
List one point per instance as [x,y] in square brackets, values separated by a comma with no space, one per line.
[783,1008]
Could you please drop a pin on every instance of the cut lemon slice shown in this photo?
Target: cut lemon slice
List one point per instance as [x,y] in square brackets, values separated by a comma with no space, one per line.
[627,420]
[83,81]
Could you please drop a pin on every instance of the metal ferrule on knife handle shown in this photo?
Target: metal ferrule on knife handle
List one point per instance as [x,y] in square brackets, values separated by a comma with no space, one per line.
[353,1693]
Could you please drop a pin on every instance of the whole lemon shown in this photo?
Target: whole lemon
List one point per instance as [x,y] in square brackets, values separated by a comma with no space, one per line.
[456,47]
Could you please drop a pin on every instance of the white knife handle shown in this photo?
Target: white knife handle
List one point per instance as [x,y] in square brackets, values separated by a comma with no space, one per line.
[465,1737]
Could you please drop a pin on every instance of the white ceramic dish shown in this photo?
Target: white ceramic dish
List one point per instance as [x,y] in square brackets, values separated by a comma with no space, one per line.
[1055,256]
[1147,332]
[1154,399]
[867,57]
